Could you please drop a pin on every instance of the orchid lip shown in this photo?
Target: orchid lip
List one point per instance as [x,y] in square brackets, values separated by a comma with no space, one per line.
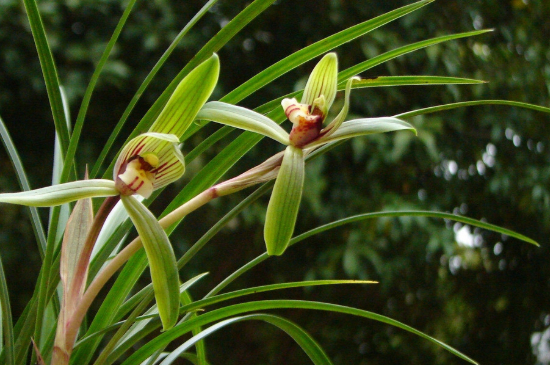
[148,162]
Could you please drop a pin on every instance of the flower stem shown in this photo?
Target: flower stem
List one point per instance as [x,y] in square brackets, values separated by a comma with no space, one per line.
[125,254]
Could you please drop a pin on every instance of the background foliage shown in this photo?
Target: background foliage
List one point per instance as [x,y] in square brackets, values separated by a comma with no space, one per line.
[480,292]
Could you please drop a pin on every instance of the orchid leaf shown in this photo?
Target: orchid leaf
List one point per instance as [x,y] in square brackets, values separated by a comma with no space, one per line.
[49,71]
[215,43]
[58,164]
[302,338]
[62,193]
[318,48]
[411,80]
[361,127]
[238,117]
[150,325]
[189,96]
[282,210]
[219,314]
[377,60]
[24,184]
[462,104]
[6,328]
[153,311]
[164,272]
[146,83]
[414,213]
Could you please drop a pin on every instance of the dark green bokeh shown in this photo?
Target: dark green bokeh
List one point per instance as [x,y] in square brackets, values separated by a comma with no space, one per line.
[489,162]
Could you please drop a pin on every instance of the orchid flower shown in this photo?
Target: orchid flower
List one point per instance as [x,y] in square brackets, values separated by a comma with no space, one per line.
[148,162]
[308,133]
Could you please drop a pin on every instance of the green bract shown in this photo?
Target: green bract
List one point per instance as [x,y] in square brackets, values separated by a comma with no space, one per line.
[307,133]
[148,162]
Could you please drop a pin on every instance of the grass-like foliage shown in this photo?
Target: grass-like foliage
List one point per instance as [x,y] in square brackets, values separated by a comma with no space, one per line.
[85,244]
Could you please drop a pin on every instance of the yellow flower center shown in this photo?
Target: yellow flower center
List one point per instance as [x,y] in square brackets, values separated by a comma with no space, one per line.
[138,176]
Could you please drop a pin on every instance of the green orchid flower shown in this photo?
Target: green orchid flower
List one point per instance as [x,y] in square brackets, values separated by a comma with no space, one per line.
[308,117]
[148,162]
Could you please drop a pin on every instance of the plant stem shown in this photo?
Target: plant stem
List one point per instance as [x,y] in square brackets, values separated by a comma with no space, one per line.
[64,341]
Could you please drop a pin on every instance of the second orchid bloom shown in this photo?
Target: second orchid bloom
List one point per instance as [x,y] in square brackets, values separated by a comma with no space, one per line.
[308,117]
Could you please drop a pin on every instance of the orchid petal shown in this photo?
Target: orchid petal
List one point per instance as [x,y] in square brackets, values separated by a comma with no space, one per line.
[282,210]
[189,96]
[361,127]
[335,124]
[322,82]
[169,168]
[238,117]
[62,193]
[162,261]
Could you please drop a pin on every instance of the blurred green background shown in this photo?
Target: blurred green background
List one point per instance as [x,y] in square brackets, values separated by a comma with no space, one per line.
[485,294]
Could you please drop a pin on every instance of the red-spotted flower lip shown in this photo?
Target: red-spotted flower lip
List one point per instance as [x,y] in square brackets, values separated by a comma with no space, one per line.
[306,124]
[148,162]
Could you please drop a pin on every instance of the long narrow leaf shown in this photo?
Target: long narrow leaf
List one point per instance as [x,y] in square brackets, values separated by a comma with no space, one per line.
[261,258]
[49,71]
[24,184]
[71,149]
[350,72]
[6,320]
[415,213]
[145,84]
[302,338]
[215,43]
[411,80]
[370,63]
[296,59]
[222,313]
[58,161]
[147,322]
[463,104]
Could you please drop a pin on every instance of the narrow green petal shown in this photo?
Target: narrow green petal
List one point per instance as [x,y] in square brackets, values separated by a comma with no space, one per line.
[162,261]
[189,96]
[238,117]
[285,201]
[337,122]
[62,193]
[322,81]
[362,127]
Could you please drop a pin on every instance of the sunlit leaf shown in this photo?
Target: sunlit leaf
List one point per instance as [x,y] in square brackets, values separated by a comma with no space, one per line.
[228,311]
[7,338]
[302,338]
